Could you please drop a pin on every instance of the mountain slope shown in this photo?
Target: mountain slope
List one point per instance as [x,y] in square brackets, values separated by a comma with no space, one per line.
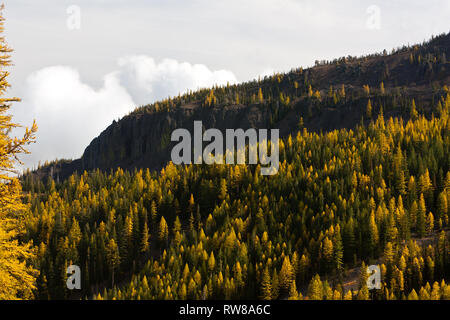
[376,193]
[142,139]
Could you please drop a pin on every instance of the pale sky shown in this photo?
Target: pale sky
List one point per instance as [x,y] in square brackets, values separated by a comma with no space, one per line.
[80,64]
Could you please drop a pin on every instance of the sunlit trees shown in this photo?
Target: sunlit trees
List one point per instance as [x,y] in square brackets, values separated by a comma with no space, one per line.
[17,277]
[339,198]
[369,109]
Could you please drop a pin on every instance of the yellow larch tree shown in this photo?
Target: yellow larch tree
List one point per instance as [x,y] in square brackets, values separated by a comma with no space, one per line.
[17,277]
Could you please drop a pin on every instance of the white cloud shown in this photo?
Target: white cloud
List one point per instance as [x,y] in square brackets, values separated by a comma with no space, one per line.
[70,112]
[148,81]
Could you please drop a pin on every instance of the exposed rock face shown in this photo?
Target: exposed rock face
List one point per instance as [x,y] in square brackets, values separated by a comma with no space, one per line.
[143,141]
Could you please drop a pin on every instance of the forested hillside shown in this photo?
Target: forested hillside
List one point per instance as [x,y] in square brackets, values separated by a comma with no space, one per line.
[342,199]
[364,179]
